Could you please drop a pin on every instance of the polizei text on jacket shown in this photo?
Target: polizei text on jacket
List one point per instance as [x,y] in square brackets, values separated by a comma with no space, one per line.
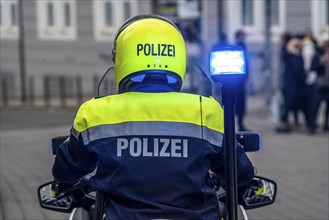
[154,147]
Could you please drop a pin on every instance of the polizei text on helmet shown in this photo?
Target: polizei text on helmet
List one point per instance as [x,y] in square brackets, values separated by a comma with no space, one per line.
[166,50]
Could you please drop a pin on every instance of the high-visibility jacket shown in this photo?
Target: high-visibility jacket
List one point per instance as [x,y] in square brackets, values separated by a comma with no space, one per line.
[152,152]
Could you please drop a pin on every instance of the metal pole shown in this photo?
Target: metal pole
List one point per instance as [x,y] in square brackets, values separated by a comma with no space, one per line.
[229,93]
[31,90]
[95,83]
[62,91]
[46,88]
[78,81]
[21,50]
[220,4]
[4,83]
[268,51]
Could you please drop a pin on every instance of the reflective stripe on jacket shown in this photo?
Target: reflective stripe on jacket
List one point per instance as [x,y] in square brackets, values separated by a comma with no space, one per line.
[152,152]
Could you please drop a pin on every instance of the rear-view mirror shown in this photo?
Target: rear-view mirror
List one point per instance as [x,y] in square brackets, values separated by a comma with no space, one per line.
[49,200]
[262,192]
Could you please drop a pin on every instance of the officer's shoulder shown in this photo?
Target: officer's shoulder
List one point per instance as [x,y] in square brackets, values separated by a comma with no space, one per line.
[96,101]
[204,99]
[209,103]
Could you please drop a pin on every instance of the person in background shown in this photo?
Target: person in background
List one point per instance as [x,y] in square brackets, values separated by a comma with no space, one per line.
[283,126]
[284,41]
[198,83]
[323,83]
[240,109]
[310,60]
[292,80]
[222,41]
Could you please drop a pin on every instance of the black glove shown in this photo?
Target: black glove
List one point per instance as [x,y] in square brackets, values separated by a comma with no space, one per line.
[63,202]
[258,194]
[258,199]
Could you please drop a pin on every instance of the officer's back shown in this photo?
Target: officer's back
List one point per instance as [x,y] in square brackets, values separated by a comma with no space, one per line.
[151,145]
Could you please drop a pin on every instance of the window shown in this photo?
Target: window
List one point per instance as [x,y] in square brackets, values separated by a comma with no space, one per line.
[278,18]
[56,19]
[109,16]
[13,13]
[327,13]
[247,12]
[9,19]
[0,14]
[67,15]
[50,14]
[127,10]
[275,19]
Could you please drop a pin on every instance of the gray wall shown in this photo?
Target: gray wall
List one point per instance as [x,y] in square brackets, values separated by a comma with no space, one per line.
[84,55]
[9,65]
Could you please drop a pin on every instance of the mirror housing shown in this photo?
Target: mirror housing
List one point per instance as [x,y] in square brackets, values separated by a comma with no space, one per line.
[250,141]
[262,192]
[56,142]
[49,200]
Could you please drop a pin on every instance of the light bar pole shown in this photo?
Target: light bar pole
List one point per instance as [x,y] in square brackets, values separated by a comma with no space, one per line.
[21,51]
[228,66]
[228,97]
[268,50]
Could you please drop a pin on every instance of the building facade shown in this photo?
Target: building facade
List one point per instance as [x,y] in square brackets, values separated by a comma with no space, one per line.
[75,37]
[292,16]
[69,37]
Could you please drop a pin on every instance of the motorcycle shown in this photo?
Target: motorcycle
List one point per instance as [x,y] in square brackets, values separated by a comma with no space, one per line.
[86,203]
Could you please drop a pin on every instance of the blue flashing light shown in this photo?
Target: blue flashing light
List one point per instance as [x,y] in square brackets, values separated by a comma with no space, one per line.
[227,62]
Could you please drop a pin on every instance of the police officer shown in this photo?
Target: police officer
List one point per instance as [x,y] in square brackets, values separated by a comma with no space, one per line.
[151,145]
[241,96]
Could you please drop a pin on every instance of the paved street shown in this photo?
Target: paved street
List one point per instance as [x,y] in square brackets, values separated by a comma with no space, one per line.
[298,162]
[26,160]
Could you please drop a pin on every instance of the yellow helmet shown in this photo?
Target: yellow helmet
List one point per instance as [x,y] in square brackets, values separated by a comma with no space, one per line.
[146,45]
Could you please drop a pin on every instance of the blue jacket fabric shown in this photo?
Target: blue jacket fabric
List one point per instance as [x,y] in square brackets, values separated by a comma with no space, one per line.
[152,153]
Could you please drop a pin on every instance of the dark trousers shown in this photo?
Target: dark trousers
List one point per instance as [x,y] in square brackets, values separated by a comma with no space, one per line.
[323,96]
[240,107]
[292,98]
[311,105]
[326,116]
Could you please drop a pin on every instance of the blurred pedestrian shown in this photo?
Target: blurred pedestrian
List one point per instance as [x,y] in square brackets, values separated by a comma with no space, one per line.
[323,83]
[198,82]
[292,81]
[311,62]
[284,41]
[222,41]
[193,45]
[240,110]
[279,96]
